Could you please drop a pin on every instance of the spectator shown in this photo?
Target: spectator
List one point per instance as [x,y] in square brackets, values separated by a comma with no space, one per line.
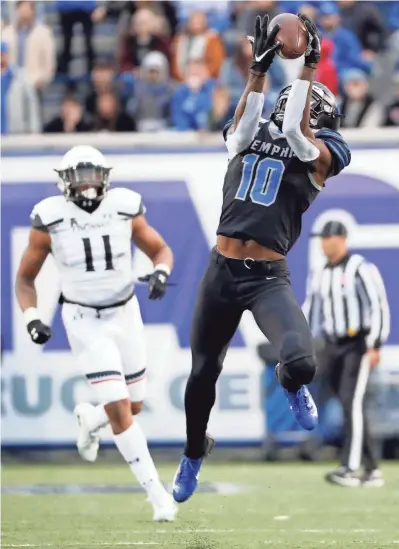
[70,119]
[246,19]
[110,116]
[140,40]
[392,111]
[217,13]
[326,70]
[192,101]
[31,45]
[19,102]
[197,43]
[165,11]
[366,21]
[102,79]
[235,71]
[222,109]
[348,51]
[308,9]
[150,104]
[71,13]
[358,106]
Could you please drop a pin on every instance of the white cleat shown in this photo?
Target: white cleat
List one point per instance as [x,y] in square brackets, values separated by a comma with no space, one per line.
[165,509]
[165,513]
[88,443]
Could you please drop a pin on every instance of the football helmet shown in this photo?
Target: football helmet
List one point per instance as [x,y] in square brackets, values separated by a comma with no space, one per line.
[324,112]
[83,176]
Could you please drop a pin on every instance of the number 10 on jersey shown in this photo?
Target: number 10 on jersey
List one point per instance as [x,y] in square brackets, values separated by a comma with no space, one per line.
[263,178]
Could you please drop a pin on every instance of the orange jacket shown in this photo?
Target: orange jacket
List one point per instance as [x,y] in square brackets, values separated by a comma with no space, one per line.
[214,55]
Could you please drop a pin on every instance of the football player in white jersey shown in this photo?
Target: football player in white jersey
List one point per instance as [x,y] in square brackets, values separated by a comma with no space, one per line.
[88,230]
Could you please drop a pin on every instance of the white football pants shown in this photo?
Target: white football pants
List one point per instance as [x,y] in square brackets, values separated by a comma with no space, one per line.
[110,349]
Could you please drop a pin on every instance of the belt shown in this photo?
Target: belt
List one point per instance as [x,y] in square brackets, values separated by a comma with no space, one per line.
[343,340]
[97,308]
[247,266]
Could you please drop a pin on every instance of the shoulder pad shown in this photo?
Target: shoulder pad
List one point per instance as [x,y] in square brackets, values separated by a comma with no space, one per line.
[338,148]
[48,213]
[127,203]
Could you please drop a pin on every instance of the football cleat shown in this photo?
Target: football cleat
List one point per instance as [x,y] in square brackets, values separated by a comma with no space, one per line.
[373,479]
[303,407]
[165,509]
[343,477]
[187,474]
[88,443]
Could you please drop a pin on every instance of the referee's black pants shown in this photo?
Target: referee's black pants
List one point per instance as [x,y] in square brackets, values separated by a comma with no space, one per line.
[343,367]
[228,288]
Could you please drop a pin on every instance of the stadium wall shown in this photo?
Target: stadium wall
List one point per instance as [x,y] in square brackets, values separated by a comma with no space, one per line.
[181,187]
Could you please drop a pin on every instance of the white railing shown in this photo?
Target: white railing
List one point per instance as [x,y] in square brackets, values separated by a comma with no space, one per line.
[170,139]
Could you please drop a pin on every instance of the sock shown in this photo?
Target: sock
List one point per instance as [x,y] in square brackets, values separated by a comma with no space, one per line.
[98,418]
[132,444]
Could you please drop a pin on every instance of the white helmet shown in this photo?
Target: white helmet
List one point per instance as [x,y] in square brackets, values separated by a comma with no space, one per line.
[83,176]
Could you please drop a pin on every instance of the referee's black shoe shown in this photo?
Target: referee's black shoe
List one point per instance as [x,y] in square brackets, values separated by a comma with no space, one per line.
[344,477]
[373,479]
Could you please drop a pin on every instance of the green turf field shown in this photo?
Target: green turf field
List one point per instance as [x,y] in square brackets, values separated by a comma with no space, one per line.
[289,506]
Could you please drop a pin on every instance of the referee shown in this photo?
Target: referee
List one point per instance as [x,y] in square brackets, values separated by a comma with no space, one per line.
[347,301]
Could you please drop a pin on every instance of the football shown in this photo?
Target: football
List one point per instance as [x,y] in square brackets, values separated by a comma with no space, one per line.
[292,34]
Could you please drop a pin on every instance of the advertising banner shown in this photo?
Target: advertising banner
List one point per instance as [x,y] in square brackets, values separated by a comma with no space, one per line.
[182,193]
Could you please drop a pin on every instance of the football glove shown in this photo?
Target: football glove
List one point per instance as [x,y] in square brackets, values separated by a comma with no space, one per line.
[312,53]
[40,333]
[157,282]
[263,47]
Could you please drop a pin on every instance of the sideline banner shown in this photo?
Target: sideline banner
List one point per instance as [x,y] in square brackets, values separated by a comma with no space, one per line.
[182,193]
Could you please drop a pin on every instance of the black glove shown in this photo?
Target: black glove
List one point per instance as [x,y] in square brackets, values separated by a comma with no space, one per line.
[157,282]
[263,47]
[312,54]
[39,332]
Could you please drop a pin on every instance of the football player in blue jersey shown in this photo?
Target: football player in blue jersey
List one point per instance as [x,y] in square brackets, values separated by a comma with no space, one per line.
[276,169]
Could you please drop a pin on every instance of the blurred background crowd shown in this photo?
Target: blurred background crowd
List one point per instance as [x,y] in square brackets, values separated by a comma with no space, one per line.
[79,66]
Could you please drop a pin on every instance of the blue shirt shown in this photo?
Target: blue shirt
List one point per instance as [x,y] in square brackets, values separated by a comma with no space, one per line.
[190,109]
[6,79]
[79,5]
[348,51]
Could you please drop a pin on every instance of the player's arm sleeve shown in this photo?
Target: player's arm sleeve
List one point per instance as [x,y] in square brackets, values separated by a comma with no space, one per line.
[130,204]
[336,144]
[247,127]
[299,143]
[374,290]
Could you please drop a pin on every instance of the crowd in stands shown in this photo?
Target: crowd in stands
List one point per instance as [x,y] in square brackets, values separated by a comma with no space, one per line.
[85,65]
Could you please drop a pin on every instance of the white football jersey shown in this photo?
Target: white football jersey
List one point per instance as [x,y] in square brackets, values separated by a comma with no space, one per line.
[92,251]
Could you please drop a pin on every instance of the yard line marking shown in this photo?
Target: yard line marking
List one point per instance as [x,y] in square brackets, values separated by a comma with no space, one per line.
[281,517]
[82,543]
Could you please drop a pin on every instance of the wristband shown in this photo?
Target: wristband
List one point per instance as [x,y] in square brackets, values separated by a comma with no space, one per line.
[31,314]
[162,267]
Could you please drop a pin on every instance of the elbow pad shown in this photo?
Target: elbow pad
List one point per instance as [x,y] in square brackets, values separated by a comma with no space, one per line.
[302,147]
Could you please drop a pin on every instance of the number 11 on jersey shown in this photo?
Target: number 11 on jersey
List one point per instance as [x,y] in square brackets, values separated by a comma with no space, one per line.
[89,254]
[263,177]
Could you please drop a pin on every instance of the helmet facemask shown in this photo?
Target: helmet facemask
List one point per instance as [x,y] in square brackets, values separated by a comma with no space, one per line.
[85,184]
[323,110]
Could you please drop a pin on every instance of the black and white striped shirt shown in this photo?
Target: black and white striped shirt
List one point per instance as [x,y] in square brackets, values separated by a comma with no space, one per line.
[347,299]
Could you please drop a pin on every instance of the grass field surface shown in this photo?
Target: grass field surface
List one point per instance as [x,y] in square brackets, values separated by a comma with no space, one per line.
[281,506]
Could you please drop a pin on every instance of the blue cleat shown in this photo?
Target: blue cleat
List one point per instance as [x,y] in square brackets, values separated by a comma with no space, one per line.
[186,479]
[303,407]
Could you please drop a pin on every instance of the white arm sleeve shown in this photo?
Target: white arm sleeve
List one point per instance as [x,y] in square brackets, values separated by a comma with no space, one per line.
[247,126]
[302,147]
